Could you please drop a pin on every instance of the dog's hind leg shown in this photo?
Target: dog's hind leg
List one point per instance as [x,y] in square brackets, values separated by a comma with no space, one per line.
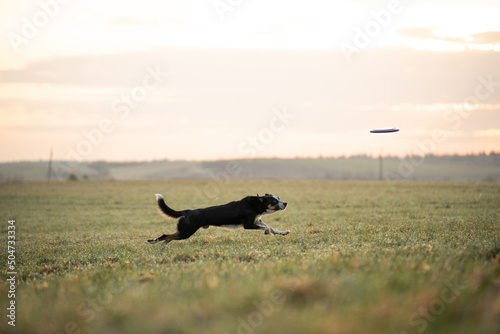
[186,228]
[184,231]
[166,237]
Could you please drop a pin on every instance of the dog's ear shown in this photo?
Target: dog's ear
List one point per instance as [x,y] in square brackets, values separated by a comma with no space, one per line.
[261,199]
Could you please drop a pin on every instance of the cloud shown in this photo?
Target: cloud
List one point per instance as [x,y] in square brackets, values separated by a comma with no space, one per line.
[235,91]
[229,77]
[490,37]
[431,33]
[428,33]
[132,21]
[455,3]
[283,27]
[86,70]
[487,133]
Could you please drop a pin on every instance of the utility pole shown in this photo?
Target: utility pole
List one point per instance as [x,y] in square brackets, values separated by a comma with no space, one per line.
[49,172]
[380,167]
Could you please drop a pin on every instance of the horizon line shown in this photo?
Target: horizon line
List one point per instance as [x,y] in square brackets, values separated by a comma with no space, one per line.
[344,156]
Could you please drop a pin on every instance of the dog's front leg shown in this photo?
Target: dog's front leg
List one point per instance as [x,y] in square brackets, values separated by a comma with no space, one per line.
[268,229]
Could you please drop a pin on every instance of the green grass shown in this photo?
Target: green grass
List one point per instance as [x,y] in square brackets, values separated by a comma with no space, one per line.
[362,257]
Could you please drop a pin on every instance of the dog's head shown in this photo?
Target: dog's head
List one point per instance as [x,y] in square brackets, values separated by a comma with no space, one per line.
[272,203]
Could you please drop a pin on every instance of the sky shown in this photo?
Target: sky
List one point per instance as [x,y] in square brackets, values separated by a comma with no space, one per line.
[223,79]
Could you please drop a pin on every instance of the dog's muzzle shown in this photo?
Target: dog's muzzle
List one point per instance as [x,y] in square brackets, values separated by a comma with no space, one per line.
[282,205]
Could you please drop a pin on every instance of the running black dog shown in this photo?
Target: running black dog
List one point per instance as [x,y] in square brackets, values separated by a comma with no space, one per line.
[245,213]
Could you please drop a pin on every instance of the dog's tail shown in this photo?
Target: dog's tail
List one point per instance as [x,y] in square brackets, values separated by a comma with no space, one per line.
[165,209]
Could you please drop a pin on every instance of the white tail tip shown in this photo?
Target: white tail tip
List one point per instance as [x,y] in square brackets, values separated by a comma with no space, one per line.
[158,197]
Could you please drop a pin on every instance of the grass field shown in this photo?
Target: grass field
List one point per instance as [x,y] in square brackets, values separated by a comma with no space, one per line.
[362,257]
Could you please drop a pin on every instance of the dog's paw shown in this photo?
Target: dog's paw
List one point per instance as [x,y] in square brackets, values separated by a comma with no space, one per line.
[152,241]
[286,232]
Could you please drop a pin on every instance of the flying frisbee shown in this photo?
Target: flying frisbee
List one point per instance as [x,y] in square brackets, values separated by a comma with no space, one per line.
[384,130]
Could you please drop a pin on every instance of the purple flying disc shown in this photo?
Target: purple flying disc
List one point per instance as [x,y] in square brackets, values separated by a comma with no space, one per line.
[384,130]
